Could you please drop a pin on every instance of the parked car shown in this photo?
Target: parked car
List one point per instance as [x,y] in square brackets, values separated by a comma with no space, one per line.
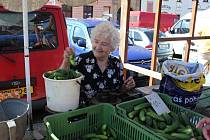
[12,77]
[144,37]
[182,29]
[79,31]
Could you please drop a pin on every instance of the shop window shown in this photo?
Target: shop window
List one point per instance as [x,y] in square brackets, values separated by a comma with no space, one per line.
[87,11]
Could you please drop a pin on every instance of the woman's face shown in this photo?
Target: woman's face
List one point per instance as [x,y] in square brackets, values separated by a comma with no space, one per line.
[101,47]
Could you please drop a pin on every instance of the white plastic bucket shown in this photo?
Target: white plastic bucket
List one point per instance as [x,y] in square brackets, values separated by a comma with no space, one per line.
[62,95]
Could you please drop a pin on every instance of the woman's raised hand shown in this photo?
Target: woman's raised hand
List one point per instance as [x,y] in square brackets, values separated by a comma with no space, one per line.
[67,52]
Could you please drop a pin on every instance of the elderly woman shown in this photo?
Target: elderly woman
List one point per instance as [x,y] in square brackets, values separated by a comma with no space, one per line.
[101,71]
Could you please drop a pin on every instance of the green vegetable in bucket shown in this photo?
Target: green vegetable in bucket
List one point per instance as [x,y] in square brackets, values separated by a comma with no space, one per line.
[62,74]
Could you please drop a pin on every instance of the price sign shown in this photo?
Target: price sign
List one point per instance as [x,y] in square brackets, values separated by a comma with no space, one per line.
[157,103]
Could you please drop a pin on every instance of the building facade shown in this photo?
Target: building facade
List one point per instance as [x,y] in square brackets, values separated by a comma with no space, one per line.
[179,7]
[111,8]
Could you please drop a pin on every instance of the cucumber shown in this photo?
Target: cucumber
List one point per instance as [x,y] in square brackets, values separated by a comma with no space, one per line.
[181,136]
[171,128]
[136,119]
[142,115]
[132,114]
[141,106]
[167,136]
[148,121]
[188,130]
[161,125]
[167,118]
[156,130]
[104,127]
[154,124]
[154,115]
[90,135]
[51,76]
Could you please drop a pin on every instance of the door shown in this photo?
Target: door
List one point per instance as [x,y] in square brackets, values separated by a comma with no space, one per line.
[45,44]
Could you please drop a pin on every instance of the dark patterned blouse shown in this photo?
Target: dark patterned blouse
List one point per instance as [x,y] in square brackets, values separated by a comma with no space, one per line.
[94,80]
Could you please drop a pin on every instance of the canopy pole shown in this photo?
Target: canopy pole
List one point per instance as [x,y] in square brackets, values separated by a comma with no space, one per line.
[26,56]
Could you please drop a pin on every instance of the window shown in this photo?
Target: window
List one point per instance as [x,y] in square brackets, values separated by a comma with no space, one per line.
[149,6]
[69,28]
[87,11]
[67,10]
[42,31]
[182,27]
[137,36]
[106,13]
[106,10]
[78,35]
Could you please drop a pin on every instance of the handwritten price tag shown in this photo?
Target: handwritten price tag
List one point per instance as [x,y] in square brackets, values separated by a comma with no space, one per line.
[157,103]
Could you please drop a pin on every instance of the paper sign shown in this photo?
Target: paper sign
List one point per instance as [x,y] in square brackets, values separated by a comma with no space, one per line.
[157,103]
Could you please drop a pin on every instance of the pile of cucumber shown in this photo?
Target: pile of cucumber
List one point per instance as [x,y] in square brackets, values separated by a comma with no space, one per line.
[103,133]
[62,74]
[172,126]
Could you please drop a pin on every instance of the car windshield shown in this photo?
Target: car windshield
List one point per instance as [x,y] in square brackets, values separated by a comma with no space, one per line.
[41,29]
[150,34]
[89,29]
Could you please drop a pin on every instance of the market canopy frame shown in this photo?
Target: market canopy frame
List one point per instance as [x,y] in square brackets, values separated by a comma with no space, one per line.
[125,6]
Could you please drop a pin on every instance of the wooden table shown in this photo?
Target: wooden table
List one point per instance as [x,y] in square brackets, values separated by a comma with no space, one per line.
[148,89]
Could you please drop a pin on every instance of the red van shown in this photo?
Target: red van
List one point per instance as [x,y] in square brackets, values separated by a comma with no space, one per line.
[147,19]
[47,41]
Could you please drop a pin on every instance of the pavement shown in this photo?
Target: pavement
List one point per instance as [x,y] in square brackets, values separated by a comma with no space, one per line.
[39,131]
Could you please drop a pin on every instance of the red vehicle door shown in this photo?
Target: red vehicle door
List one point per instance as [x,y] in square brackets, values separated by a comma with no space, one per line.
[47,41]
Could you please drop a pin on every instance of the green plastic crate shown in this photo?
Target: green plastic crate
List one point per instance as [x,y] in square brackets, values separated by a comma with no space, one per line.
[74,124]
[124,108]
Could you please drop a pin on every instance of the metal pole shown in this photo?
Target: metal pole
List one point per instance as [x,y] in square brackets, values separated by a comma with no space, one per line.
[26,55]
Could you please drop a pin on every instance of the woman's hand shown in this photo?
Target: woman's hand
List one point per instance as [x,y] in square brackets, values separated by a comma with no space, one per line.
[67,52]
[129,83]
[205,125]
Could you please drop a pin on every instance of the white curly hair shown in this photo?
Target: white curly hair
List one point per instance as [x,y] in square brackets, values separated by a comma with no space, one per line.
[106,29]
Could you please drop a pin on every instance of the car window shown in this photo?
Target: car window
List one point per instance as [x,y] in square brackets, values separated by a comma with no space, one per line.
[89,29]
[185,26]
[137,36]
[78,34]
[41,29]
[69,28]
[150,34]
[182,27]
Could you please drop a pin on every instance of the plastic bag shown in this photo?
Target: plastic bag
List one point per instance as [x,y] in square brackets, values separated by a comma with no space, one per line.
[187,76]
[183,81]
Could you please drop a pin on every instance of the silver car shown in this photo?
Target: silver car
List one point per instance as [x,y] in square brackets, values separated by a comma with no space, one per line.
[144,37]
